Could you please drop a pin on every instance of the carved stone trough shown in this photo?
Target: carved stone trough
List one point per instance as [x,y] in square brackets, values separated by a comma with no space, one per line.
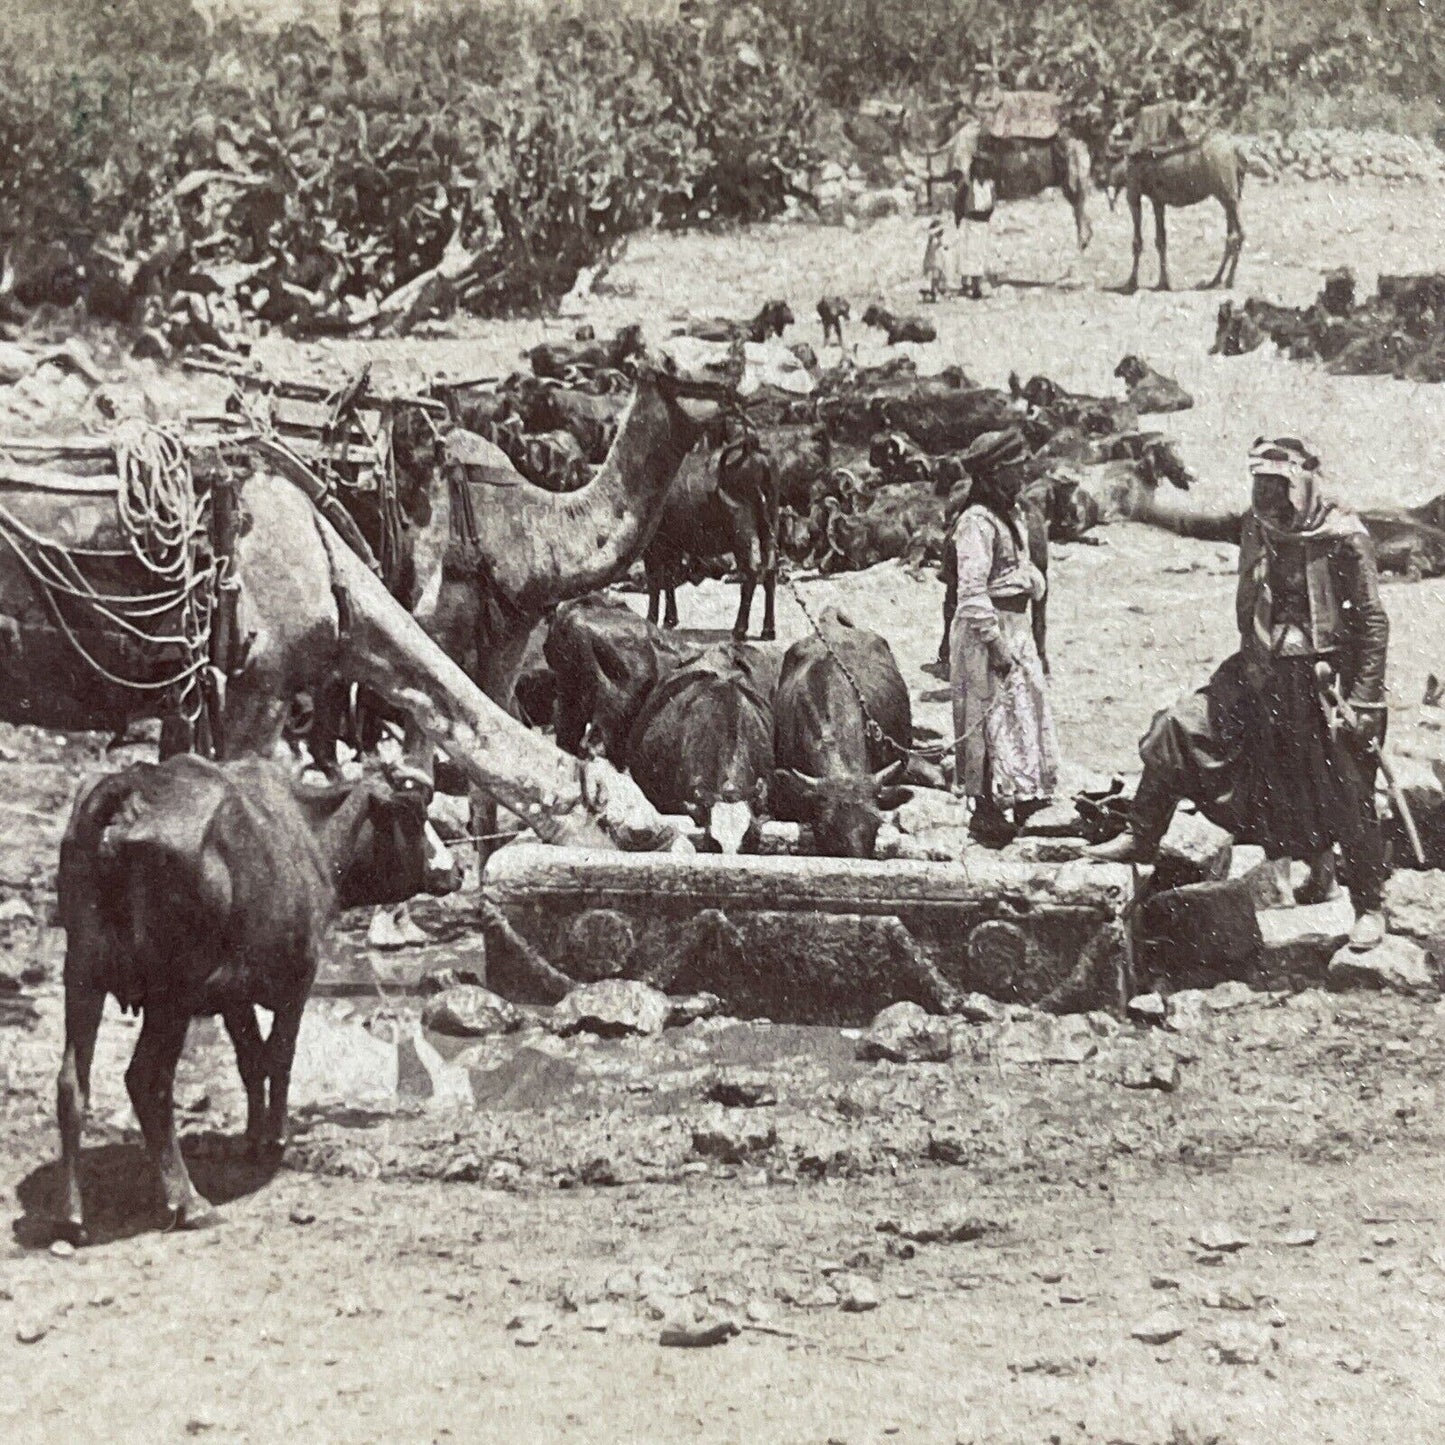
[819,940]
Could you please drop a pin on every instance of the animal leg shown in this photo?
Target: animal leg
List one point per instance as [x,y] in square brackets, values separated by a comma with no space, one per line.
[654,594]
[747,585]
[281,1047]
[150,1081]
[770,589]
[1136,214]
[1160,244]
[251,1063]
[669,619]
[83,1009]
[1234,240]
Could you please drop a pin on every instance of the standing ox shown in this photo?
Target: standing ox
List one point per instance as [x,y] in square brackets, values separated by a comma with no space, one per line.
[1172,169]
[833,771]
[192,888]
[703,743]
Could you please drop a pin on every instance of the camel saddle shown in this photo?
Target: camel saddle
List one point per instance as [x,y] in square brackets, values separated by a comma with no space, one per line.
[1159,131]
[1024,115]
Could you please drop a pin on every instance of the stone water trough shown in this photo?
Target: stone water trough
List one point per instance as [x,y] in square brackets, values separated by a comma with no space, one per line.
[820,940]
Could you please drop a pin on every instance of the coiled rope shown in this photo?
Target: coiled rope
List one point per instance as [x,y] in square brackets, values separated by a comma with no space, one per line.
[166,530]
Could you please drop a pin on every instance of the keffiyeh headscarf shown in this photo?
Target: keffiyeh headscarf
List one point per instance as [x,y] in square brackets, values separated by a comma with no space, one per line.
[1297,464]
[1315,518]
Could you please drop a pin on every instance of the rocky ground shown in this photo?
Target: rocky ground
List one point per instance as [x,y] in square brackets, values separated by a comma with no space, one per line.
[1216,1222]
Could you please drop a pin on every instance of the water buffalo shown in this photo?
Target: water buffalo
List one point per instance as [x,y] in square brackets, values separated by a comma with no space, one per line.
[193,887]
[606,660]
[832,772]
[703,744]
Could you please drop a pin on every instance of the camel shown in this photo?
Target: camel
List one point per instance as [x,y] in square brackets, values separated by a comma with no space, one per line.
[1019,166]
[308,608]
[1183,173]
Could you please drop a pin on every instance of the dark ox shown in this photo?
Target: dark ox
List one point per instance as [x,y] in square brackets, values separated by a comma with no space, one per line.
[703,744]
[194,888]
[831,773]
[606,661]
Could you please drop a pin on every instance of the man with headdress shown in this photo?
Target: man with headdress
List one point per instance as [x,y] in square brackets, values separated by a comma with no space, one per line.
[1265,749]
[1007,756]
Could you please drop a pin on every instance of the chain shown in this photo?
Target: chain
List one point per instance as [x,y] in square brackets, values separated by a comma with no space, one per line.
[871,725]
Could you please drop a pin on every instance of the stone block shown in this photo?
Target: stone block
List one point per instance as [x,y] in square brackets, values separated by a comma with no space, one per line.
[1193,851]
[1202,930]
[1398,965]
[1415,907]
[1270,882]
[1298,943]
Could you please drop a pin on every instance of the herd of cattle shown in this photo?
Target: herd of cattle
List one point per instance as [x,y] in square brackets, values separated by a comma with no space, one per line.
[856,470]
[731,733]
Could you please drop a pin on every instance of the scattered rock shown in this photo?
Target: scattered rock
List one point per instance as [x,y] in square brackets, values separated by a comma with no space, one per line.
[1163,1281]
[697,1334]
[733,1135]
[691,1008]
[1239,1344]
[1147,1008]
[301,1215]
[1159,1328]
[468,1011]
[953,1226]
[612,1008]
[31,1332]
[1160,1073]
[739,1089]
[907,1033]
[979,1008]
[394,928]
[1398,965]
[16,910]
[441,979]
[1415,906]
[62,1249]
[1298,943]
[856,1293]
[1218,1238]
[1227,1299]
[1299,1238]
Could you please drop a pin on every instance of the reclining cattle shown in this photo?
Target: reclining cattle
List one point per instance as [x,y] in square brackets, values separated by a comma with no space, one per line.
[772,319]
[606,660]
[703,743]
[191,888]
[833,772]
[726,503]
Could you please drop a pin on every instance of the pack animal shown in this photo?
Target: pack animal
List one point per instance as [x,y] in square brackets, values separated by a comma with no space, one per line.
[195,888]
[833,772]
[703,744]
[1150,390]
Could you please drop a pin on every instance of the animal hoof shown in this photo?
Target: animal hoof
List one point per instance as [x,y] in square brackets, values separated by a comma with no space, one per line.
[72,1231]
[768,634]
[201,1217]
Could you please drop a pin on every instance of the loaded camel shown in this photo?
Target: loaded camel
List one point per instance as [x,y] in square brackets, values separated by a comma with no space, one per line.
[1022,147]
[1170,168]
[307,608]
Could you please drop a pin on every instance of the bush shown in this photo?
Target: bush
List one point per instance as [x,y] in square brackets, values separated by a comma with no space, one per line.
[336,167]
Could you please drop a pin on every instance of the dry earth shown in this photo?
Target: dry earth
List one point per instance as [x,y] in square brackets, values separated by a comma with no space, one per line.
[584,1197]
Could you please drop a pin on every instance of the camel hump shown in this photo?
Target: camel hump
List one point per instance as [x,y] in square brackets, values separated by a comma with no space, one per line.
[1026,115]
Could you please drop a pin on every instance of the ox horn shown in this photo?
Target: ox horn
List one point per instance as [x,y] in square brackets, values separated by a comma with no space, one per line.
[886,777]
